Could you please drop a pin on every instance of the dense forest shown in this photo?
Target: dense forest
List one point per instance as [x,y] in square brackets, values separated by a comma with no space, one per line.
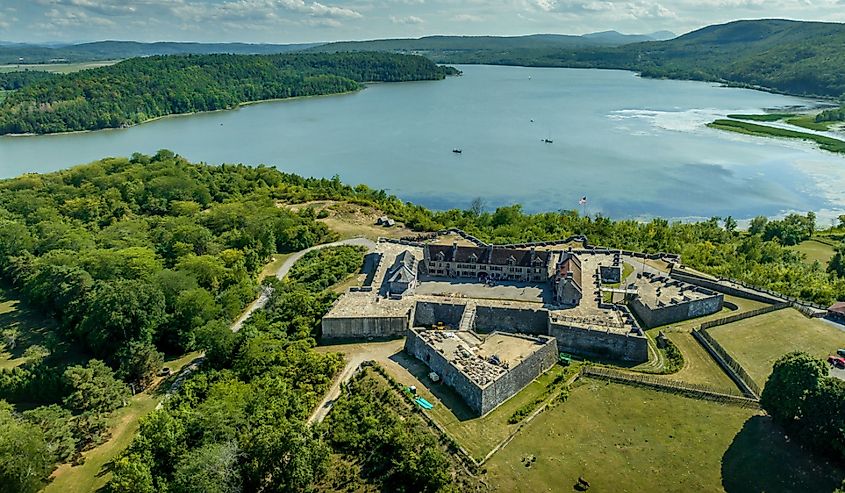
[802,58]
[139,89]
[10,81]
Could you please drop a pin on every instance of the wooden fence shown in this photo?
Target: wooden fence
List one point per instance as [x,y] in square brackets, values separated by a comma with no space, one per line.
[696,391]
[728,363]
[742,316]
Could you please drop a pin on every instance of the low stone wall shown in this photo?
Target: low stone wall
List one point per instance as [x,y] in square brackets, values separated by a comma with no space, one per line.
[733,291]
[518,377]
[676,312]
[599,343]
[428,313]
[363,327]
[511,320]
[451,376]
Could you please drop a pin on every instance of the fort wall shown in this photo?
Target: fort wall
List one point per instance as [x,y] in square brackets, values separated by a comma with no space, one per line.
[518,377]
[363,327]
[599,343]
[676,312]
[511,320]
[428,313]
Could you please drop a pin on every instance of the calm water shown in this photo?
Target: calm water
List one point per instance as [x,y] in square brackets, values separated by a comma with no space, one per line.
[636,147]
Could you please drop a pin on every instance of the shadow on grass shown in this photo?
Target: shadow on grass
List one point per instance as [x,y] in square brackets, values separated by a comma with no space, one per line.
[762,459]
[447,396]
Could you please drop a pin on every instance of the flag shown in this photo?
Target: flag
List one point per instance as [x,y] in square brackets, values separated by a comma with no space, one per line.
[583,200]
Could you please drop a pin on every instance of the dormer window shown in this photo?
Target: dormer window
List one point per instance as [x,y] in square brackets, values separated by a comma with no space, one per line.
[511,260]
[473,258]
[538,261]
[440,256]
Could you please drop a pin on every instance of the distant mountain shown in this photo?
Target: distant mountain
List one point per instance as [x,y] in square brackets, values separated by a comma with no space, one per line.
[617,38]
[795,57]
[115,50]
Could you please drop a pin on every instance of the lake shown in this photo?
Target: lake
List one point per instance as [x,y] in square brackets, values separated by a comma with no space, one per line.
[635,147]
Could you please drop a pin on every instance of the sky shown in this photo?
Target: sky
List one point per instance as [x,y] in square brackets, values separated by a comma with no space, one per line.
[295,21]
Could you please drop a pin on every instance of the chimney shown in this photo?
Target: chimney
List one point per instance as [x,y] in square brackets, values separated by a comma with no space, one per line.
[533,255]
[490,254]
[454,251]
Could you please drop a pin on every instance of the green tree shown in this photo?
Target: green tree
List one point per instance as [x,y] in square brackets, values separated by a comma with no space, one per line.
[94,388]
[58,427]
[131,474]
[212,468]
[794,377]
[139,363]
[25,457]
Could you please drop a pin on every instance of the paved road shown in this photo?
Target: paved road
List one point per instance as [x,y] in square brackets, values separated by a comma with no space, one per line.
[264,298]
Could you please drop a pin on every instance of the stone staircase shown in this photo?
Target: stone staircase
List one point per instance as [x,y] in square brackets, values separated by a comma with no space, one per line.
[468,317]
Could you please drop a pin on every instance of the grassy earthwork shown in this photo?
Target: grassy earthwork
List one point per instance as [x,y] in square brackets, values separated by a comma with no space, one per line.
[759,341]
[622,438]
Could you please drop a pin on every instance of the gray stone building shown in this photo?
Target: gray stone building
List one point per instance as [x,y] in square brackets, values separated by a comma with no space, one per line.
[488,262]
[402,276]
[567,281]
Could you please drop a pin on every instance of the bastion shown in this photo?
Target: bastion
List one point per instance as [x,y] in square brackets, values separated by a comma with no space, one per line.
[485,370]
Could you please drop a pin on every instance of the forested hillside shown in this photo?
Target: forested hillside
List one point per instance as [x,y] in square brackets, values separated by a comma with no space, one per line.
[143,88]
[802,58]
[118,50]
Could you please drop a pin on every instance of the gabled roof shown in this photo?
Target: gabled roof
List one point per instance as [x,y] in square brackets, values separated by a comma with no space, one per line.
[488,255]
[404,269]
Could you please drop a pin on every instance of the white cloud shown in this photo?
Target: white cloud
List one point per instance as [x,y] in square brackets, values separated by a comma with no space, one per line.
[411,19]
[467,18]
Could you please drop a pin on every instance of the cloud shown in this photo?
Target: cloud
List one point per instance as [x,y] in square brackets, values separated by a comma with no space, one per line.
[470,18]
[411,19]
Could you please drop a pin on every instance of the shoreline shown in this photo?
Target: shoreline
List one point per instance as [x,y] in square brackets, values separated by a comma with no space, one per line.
[193,113]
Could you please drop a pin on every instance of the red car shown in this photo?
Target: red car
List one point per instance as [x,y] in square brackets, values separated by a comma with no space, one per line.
[836,361]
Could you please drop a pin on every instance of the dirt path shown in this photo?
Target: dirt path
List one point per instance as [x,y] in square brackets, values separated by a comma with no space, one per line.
[355,354]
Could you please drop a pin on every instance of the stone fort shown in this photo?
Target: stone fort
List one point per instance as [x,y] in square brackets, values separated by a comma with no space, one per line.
[489,319]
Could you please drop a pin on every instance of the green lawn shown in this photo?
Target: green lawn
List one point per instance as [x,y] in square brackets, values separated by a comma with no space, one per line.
[627,439]
[477,435]
[699,367]
[758,342]
[826,143]
[815,251]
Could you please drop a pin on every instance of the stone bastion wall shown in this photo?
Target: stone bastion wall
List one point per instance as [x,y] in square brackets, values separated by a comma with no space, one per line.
[599,343]
[363,327]
[511,320]
[676,312]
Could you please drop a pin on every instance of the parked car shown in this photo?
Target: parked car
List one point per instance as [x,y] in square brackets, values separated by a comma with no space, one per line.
[836,361]
[165,372]
[841,352]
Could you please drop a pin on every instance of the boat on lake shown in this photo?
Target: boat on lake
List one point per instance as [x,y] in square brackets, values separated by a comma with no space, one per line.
[457,151]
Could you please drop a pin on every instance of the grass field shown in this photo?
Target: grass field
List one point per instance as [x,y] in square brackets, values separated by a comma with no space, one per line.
[626,439]
[699,367]
[759,341]
[124,424]
[826,143]
[59,68]
[815,250]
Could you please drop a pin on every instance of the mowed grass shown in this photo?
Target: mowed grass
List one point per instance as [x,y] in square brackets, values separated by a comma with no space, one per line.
[627,439]
[759,341]
[699,367]
[95,472]
[815,251]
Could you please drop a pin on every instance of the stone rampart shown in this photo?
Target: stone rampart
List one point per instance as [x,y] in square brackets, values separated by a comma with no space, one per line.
[511,320]
[599,343]
[469,391]
[676,312]
[521,375]
[363,327]
[428,313]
